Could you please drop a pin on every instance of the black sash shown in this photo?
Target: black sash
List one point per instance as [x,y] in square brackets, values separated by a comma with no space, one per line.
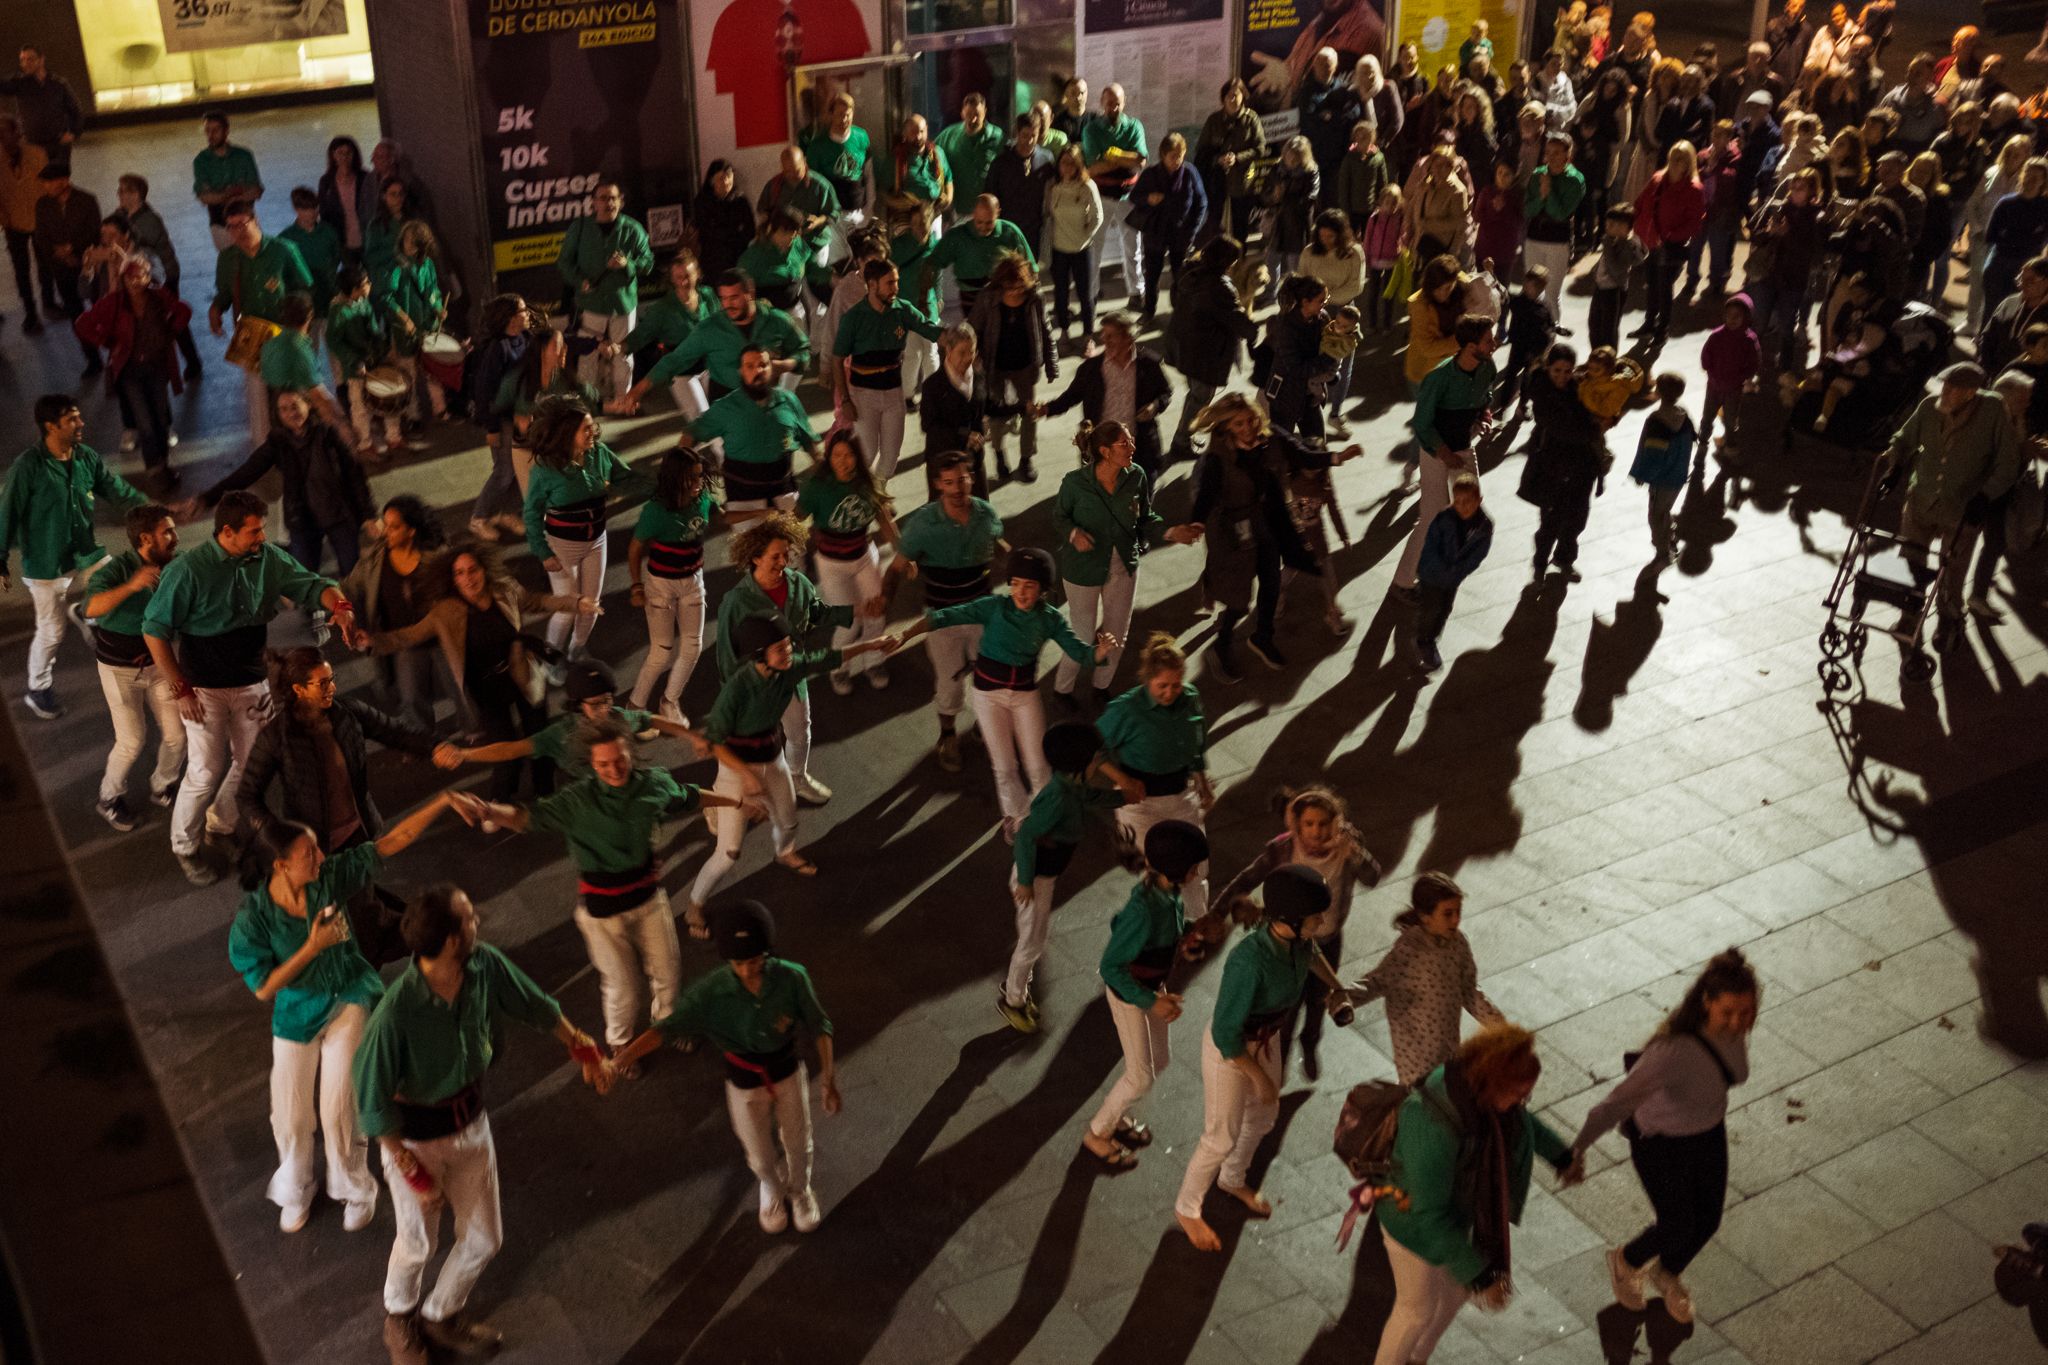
[443,1118]
[993,676]
[945,587]
[761,748]
[117,649]
[674,559]
[757,480]
[233,658]
[582,520]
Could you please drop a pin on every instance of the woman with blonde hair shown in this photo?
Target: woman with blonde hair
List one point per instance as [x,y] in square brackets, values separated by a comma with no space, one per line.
[1670,213]
[1155,746]
[1440,210]
[1999,179]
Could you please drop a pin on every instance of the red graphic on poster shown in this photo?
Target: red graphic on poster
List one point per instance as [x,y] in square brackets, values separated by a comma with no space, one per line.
[756,43]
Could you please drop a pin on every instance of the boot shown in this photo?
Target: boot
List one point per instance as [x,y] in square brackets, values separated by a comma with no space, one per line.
[463,1335]
[403,1340]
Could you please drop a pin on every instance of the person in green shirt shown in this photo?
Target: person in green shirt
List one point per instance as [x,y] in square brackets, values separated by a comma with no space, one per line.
[751,1009]
[418,1081]
[1106,521]
[1007,709]
[573,471]
[46,511]
[292,945]
[872,338]
[253,276]
[318,245]
[1113,146]
[417,307]
[847,504]
[836,148]
[223,174]
[1148,933]
[590,692]
[970,147]
[664,323]
[806,195]
[972,249]
[602,258]
[1155,742]
[910,251]
[719,342]
[744,732]
[949,544]
[358,340]
[777,260]
[920,173]
[116,597]
[759,428]
[1241,1060]
[290,364]
[665,565]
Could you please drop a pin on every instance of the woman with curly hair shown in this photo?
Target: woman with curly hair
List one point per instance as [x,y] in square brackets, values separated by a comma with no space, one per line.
[847,504]
[573,470]
[665,565]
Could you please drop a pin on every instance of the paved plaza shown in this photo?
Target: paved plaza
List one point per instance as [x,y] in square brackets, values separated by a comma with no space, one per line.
[1627,774]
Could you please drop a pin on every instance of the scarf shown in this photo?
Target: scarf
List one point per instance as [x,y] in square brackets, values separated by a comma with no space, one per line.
[1480,1184]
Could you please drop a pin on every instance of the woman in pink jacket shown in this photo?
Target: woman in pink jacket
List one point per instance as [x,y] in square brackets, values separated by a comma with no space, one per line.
[1669,214]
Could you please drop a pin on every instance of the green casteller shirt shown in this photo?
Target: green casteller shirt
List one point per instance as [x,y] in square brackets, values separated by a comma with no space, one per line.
[1099,134]
[415,290]
[865,329]
[666,323]
[1139,733]
[265,936]
[1058,812]
[203,592]
[612,829]
[255,286]
[972,255]
[970,155]
[1262,976]
[842,162]
[1120,522]
[927,536]
[717,342]
[588,246]
[356,336]
[422,1049]
[757,433]
[912,257]
[781,267]
[1451,387]
[716,1006]
[557,738]
[549,487]
[925,177]
[811,197]
[848,508]
[659,525]
[1011,636]
[1562,202]
[752,703]
[380,251]
[213,171]
[803,614]
[288,361]
[320,248]
[1150,920]
[125,619]
[46,509]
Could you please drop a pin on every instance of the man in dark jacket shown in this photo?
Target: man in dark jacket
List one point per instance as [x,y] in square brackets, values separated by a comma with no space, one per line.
[1209,330]
[1018,178]
[67,226]
[1121,384]
[50,114]
[1328,108]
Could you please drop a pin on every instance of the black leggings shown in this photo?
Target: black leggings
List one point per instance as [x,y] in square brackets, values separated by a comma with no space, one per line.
[1074,270]
[1686,1179]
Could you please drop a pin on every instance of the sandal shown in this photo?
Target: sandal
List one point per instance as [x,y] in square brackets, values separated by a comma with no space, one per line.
[1118,1158]
[1132,1134]
[799,864]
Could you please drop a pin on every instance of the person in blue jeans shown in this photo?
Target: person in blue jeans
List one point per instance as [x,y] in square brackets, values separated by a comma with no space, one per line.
[1457,542]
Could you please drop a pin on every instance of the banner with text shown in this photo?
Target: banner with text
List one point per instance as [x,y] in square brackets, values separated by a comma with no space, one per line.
[1440,28]
[1280,36]
[745,52]
[195,25]
[1165,53]
[572,94]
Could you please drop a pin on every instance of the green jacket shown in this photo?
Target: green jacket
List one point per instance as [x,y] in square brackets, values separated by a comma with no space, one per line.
[718,341]
[802,614]
[1121,522]
[969,155]
[1951,463]
[358,336]
[973,255]
[320,249]
[255,286]
[586,249]
[46,510]
[1425,1168]
[666,323]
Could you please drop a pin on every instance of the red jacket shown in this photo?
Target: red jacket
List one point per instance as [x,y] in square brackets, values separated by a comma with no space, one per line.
[1670,211]
[110,325]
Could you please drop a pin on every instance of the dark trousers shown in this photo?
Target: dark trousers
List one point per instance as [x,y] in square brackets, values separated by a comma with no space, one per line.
[1686,1179]
[1511,376]
[1159,254]
[1379,309]
[1558,526]
[501,715]
[1603,323]
[20,251]
[1074,270]
[1661,269]
[1993,549]
[1315,995]
[304,537]
[1432,610]
[144,391]
[1267,607]
[70,303]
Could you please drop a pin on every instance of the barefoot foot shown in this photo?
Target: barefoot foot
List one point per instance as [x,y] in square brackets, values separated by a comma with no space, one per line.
[1250,1198]
[1200,1233]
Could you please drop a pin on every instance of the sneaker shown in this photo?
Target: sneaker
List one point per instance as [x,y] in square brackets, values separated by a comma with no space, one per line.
[1571,575]
[1339,623]
[197,870]
[948,751]
[1820,423]
[166,798]
[463,1335]
[1981,608]
[114,810]
[811,791]
[804,1211]
[293,1217]
[402,1339]
[842,682]
[1677,1298]
[1627,1281]
[1222,665]
[44,703]
[1023,1018]
[1432,659]
[1267,653]
[129,440]
[173,436]
[1340,428]
[415,443]
[358,1214]
[774,1213]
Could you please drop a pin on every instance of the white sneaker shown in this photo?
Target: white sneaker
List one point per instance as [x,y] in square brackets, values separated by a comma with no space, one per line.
[293,1217]
[1677,1298]
[842,682]
[673,711]
[805,1212]
[1627,1280]
[129,440]
[358,1214]
[174,440]
[774,1213]
[810,790]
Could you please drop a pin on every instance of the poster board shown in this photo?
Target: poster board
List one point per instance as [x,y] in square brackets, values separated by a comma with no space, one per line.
[745,52]
[1437,27]
[196,25]
[1278,37]
[1165,53]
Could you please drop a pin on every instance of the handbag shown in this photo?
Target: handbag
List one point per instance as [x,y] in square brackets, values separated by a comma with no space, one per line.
[1142,217]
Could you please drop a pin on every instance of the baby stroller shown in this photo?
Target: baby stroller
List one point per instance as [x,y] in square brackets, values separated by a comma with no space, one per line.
[1878,569]
[1920,344]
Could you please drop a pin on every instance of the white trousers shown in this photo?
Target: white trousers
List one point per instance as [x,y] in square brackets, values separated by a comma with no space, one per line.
[609,377]
[1435,497]
[848,583]
[1234,1123]
[581,575]
[1137,821]
[216,750]
[675,636]
[310,1081]
[796,737]
[133,696]
[878,419]
[1555,257]
[1012,725]
[756,1115]
[256,398]
[731,825]
[465,1167]
[47,595]
[625,947]
[952,653]
[1131,243]
[1143,1036]
[688,391]
[1034,919]
[1426,1298]
[1091,609]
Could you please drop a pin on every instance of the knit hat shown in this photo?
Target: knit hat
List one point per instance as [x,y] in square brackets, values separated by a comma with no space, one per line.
[1963,374]
[586,680]
[743,931]
[1070,745]
[1294,893]
[1035,565]
[1175,848]
[754,634]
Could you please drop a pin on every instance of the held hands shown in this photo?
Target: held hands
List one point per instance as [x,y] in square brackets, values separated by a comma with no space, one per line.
[1165,1007]
[448,757]
[1575,1173]
[625,405]
[889,644]
[1185,534]
[1081,540]
[551,564]
[191,708]
[589,606]
[1132,788]
[468,807]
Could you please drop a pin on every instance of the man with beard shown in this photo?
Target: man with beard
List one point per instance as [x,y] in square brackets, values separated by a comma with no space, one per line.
[760,427]
[743,324]
[117,596]
[871,338]
[602,258]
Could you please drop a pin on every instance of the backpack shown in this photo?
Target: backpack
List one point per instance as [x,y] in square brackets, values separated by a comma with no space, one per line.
[1365,1128]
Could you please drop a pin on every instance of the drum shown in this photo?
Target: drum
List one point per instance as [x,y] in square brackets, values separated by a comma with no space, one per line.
[442,356]
[387,387]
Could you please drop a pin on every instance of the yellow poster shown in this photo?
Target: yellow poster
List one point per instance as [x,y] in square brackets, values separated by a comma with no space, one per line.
[1438,28]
